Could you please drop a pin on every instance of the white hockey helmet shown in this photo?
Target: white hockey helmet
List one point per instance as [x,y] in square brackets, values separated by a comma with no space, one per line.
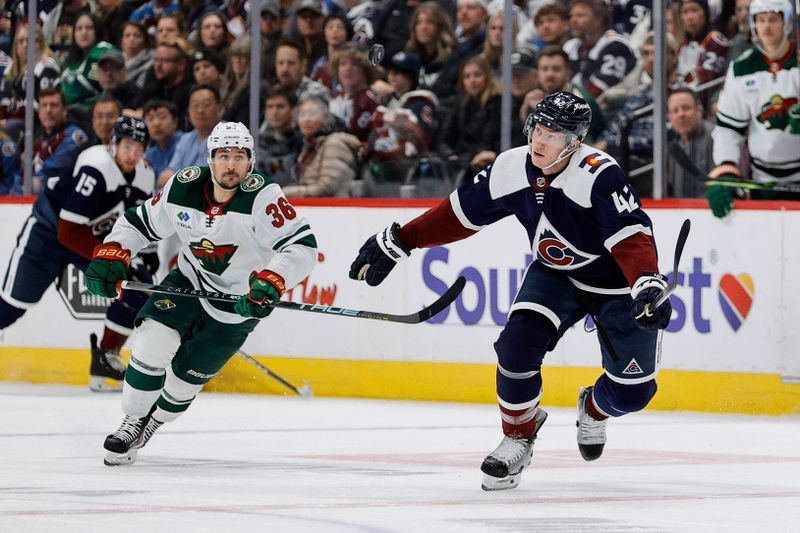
[771,6]
[231,135]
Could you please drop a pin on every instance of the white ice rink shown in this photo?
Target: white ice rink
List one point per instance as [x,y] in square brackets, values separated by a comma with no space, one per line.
[258,463]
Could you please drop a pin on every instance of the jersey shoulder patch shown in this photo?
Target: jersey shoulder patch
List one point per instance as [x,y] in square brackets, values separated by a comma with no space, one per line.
[185,175]
[254,182]
[585,166]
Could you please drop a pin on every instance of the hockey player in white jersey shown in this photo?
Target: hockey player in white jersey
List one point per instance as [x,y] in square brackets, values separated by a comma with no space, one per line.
[239,235]
[759,104]
[594,254]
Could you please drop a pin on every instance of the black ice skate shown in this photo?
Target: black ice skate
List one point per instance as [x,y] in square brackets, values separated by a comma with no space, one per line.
[106,371]
[123,445]
[591,432]
[502,468]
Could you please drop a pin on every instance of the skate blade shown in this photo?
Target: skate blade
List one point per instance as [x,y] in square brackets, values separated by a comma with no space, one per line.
[120,459]
[501,483]
[103,384]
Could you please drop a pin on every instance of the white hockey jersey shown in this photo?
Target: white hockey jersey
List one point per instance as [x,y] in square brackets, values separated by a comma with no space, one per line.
[755,104]
[221,244]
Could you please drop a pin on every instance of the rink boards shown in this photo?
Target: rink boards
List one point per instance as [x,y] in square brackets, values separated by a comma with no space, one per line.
[731,346]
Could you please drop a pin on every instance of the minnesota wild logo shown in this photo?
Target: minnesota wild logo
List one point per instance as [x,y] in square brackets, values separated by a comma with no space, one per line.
[775,113]
[213,257]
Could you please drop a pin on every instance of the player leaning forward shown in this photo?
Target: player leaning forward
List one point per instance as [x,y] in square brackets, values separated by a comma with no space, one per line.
[238,235]
[594,254]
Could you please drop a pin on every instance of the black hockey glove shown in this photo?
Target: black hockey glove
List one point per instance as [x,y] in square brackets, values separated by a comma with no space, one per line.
[647,289]
[378,256]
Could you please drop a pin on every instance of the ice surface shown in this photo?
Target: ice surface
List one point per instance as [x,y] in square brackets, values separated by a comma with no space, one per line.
[259,463]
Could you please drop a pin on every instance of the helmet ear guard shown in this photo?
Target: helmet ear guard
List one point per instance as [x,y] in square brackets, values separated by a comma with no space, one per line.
[230,135]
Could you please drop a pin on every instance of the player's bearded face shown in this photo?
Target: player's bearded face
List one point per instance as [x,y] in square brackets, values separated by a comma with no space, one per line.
[128,153]
[546,145]
[231,165]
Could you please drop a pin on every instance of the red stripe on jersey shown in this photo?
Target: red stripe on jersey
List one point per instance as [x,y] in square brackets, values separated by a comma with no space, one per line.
[636,255]
[434,227]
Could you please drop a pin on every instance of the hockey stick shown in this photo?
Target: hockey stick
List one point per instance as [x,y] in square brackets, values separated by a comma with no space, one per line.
[304,390]
[682,236]
[414,318]
[684,161]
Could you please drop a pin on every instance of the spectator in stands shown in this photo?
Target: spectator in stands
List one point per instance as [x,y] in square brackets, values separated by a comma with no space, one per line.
[552,24]
[192,10]
[205,110]
[470,136]
[79,81]
[493,47]
[693,133]
[111,75]
[162,122]
[111,15]
[524,79]
[56,148]
[149,13]
[168,79]
[354,104]
[290,69]
[10,181]
[309,27]
[328,161]
[630,138]
[741,41]
[235,88]
[12,86]
[213,34]
[208,68]
[472,17]
[105,112]
[703,55]
[553,75]
[632,20]
[168,27]
[402,76]
[235,12]
[600,58]
[392,22]
[337,31]
[59,25]
[432,40]
[135,45]
[271,29]
[279,141]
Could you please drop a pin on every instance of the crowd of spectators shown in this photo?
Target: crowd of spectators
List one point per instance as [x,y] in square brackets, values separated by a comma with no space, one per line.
[330,120]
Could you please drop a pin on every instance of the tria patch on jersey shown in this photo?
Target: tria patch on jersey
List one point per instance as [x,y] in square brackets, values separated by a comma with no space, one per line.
[251,183]
[557,252]
[633,368]
[164,305]
[185,175]
[214,258]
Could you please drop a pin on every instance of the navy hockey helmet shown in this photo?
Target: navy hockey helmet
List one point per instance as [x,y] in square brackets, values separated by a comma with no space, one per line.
[130,128]
[561,111]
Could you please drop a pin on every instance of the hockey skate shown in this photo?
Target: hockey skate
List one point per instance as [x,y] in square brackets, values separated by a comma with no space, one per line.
[503,467]
[106,371]
[123,445]
[591,432]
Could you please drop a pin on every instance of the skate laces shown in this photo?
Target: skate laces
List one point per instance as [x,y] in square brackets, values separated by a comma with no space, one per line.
[590,431]
[113,361]
[129,429]
[149,428]
[510,450]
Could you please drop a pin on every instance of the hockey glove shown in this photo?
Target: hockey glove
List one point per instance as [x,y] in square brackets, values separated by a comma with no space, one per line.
[378,256]
[264,285]
[109,263]
[647,289]
[720,197]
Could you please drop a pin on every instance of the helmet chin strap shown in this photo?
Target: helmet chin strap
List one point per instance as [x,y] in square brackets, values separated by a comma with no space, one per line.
[567,151]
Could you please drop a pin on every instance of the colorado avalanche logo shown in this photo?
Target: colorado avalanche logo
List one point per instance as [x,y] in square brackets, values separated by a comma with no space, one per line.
[557,252]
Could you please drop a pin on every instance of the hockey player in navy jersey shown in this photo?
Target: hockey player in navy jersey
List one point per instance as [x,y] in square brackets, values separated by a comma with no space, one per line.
[594,254]
[70,217]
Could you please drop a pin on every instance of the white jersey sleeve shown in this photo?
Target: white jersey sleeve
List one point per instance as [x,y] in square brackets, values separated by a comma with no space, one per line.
[733,116]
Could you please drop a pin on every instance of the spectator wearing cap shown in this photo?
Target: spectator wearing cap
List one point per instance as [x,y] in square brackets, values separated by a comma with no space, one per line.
[524,79]
[105,112]
[337,31]
[162,122]
[432,40]
[354,103]
[279,141]
[703,55]
[207,68]
[111,75]
[290,69]
[168,79]
[271,28]
[135,45]
[213,34]
[493,47]
[472,17]
[149,13]
[402,76]
[309,18]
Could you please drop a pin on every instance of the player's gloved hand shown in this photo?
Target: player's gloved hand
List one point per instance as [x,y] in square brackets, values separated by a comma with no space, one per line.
[109,263]
[378,256]
[264,285]
[794,119]
[720,197]
[647,289]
